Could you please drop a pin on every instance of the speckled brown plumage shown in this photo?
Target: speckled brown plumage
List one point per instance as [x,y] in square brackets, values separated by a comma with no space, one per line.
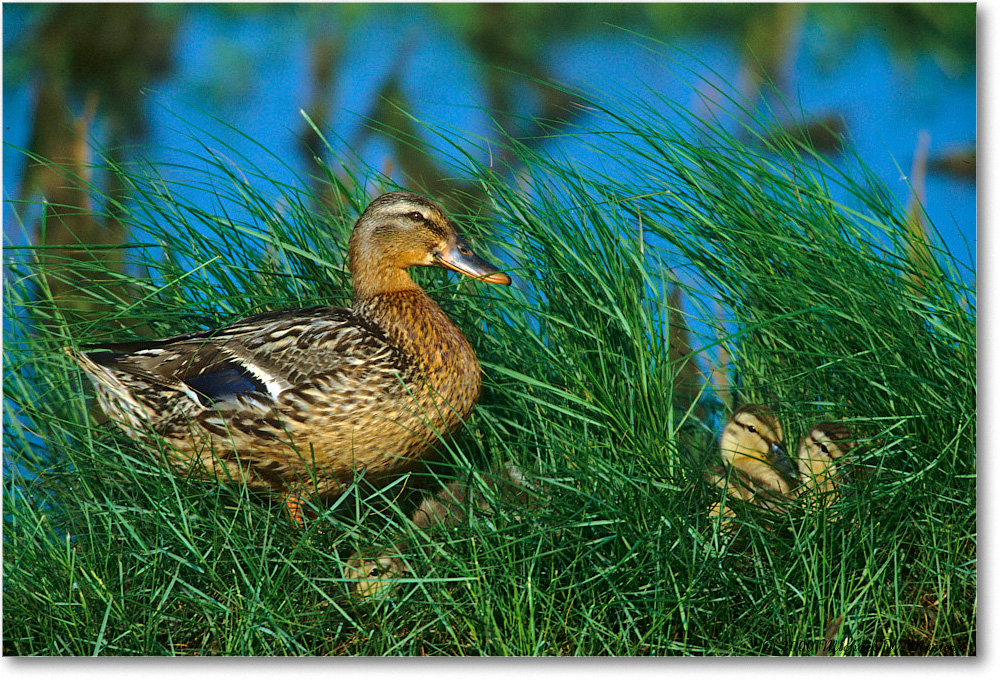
[300,401]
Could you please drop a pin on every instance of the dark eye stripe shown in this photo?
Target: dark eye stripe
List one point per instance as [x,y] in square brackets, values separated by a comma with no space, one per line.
[436,229]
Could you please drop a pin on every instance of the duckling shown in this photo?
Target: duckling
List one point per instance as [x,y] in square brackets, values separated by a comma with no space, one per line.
[299,402]
[374,576]
[756,468]
[448,507]
[451,504]
[819,453]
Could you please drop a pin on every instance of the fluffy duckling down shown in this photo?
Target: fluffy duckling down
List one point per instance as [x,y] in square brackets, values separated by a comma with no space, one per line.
[755,467]
[758,472]
[820,470]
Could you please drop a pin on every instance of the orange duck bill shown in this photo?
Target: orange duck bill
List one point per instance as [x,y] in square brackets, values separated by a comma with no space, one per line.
[458,257]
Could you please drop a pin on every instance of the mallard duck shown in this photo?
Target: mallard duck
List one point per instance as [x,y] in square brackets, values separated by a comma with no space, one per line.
[300,402]
[449,506]
[374,576]
[756,468]
[818,456]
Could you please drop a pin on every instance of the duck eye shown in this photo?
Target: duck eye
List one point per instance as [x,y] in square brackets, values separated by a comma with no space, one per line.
[752,429]
[375,572]
[416,216]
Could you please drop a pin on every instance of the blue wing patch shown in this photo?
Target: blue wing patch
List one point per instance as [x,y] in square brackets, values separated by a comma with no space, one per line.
[226,381]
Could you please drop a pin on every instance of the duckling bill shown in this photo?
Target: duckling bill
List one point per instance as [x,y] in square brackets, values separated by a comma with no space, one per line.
[299,402]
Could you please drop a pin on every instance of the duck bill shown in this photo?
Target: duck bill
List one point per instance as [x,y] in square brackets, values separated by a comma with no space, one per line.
[782,461]
[460,258]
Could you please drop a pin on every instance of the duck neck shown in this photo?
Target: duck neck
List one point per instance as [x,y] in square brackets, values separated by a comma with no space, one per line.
[415,324]
[372,279]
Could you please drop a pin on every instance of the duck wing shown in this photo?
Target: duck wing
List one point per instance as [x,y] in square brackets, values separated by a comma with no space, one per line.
[259,357]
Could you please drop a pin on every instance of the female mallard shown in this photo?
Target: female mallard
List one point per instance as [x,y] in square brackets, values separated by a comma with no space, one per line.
[300,401]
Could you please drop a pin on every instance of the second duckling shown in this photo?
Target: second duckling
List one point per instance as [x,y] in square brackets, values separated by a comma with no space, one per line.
[373,575]
[820,451]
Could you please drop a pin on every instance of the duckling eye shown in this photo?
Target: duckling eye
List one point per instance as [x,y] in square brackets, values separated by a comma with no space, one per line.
[824,448]
[416,216]
[752,429]
[375,572]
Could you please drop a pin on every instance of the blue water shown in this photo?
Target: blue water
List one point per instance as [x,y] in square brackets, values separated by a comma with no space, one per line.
[266,65]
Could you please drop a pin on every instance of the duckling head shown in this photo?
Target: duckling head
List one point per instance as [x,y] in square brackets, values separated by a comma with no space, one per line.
[399,230]
[819,452]
[751,442]
[373,576]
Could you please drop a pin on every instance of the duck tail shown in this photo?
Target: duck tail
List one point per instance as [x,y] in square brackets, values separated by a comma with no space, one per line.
[114,395]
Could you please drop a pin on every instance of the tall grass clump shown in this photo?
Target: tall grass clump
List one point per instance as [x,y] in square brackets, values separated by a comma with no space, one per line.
[698,267]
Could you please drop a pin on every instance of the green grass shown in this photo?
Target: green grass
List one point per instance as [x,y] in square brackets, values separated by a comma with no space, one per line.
[822,316]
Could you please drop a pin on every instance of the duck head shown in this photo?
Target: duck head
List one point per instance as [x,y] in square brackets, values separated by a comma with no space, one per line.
[399,230]
[373,576]
[753,436]
[819,452]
